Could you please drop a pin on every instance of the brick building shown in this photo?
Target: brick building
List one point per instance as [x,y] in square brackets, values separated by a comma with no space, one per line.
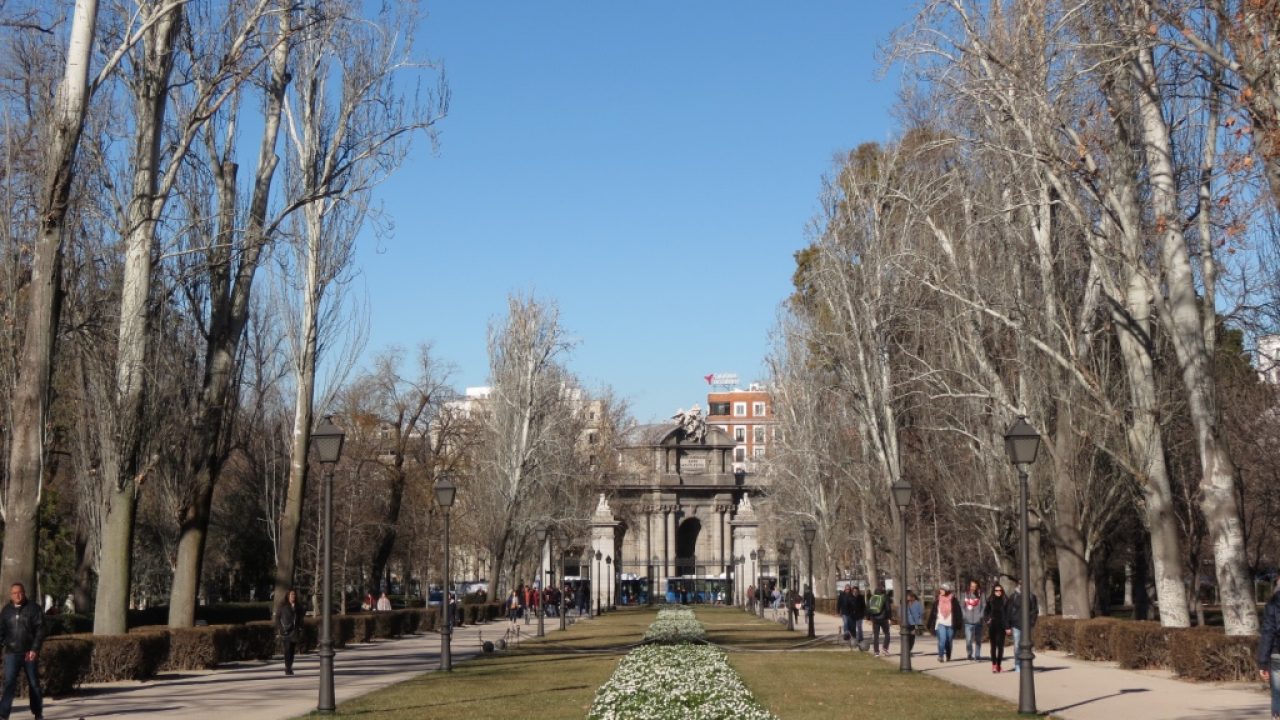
[748,417]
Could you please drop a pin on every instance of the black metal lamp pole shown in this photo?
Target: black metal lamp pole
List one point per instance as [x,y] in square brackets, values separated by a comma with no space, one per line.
[595,585]
[327,439]
[611,582]
[562,539]
[789,545]
[902,498]
[541,534]
[1022,442]
[810,532]
[445,491]
[755,577]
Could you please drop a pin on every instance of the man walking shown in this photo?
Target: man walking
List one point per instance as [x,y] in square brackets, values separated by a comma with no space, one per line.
[21,634]
[1013,621]
[974,608]
[1269,648]
[879,610]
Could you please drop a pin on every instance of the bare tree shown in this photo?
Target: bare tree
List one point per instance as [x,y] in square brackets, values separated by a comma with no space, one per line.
[340,146]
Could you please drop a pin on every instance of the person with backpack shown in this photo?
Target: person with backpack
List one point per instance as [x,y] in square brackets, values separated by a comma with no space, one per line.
[915,619]
[879,610]
[974,608]
[945,618]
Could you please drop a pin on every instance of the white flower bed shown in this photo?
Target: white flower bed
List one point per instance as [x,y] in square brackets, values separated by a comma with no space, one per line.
[675,625]
[675,682]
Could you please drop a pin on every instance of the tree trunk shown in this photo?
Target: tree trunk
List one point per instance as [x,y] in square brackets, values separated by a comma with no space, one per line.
[229,312]
[291,514]
[1068,524]
[1192,341]
[126,472]
[35,362]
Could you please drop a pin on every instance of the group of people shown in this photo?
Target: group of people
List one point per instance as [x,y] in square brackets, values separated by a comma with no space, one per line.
[992,615]
[855,607]
[972,613]
[528,597]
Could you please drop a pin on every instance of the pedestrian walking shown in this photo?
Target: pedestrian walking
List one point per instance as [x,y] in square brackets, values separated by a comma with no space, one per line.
[996,629]
[1268,648]
[974,608]
[810,604]
[288,619]
[1013,620]
[879,610]
[945,618]
[384,603]
[915,619]
[513,606]
[858,611]
[21,635]
[844,606]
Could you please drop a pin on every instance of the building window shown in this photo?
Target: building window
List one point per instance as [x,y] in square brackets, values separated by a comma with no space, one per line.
[740,454]
[757,409]
[757,434]
[740,433]
[777,434]
[757,452]
[592,438]
[739,409]
[719,408]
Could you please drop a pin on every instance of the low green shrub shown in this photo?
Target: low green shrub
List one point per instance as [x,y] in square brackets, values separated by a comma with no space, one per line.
[134,656]
[1206,654]
[196,648]
[64,664]
[1093,638]
[1055,633]
[1137,644]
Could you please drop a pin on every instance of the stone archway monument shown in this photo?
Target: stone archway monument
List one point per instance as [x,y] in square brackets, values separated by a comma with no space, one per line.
[676,495]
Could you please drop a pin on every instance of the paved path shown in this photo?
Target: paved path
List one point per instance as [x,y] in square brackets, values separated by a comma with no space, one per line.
[1080,690]
[261,691]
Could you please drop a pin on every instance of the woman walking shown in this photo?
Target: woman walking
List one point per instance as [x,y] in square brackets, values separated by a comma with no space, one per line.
[996,630]
[945,618]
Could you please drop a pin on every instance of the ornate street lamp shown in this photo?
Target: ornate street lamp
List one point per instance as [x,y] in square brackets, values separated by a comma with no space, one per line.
[445,491]
[562,540]
[789,545]
[540,532]
[902,498]
[810,532]
[595,585]
[755,578]
[612,581]
[327,439]
[1022,442]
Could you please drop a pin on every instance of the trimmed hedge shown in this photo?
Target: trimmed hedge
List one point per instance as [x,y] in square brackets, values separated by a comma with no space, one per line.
[68,661]
[1199,654]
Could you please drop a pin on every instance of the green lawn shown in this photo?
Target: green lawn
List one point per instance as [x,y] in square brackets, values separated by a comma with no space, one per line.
[557,677]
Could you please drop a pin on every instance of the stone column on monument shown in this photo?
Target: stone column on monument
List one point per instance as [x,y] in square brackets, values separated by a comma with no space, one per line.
[671,541]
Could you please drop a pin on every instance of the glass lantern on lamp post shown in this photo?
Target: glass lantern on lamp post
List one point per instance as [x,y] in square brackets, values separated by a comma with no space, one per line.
[445,492]
[327,439]
[902,498]
[1022,443]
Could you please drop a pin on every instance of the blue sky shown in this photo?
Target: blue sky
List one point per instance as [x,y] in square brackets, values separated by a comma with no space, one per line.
[651,167]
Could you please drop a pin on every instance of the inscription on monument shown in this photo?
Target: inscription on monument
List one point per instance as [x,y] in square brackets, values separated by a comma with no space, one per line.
[693,464]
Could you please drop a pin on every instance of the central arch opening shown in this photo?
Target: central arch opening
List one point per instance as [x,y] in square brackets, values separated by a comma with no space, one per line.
[686,546]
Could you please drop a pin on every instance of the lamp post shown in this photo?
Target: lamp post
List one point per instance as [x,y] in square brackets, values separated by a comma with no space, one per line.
[541,533]
[611,581]
[327,439]
[810,532]
[788,545]
[562,539]
[445,491]
[902,498]
[755,578]
[595,584]
[1021,443]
